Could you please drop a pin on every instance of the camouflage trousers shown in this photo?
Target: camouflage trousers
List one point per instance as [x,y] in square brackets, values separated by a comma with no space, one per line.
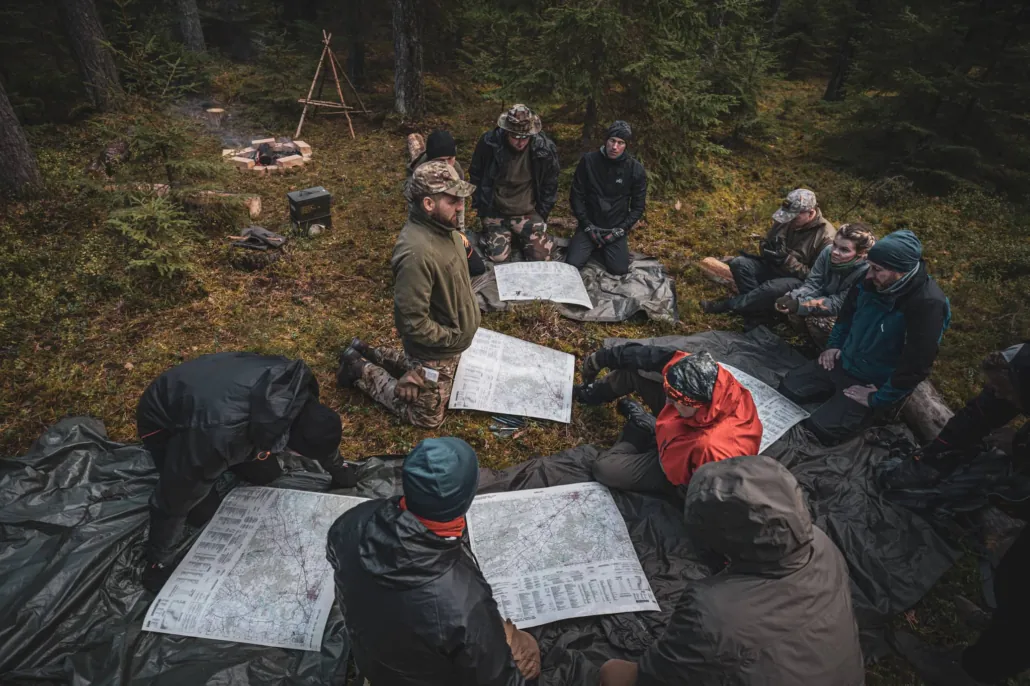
[379,382]
[817,328]
[530,230]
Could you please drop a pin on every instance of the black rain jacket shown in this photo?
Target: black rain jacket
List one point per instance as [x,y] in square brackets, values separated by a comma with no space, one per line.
[610,194]
[492,153]
[780,613]
[418,610]
[216,411]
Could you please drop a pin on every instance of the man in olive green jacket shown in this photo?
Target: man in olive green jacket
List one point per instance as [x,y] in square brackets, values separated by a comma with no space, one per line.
[434,308]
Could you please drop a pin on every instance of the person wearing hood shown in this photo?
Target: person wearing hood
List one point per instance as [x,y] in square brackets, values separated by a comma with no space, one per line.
[609,193]
[813,306]
[417,608]
[440,145]
[999,653]
[778,614]
[699,413]
[515,170]
[883,345]
[231,411]
[434,309]
[797,237]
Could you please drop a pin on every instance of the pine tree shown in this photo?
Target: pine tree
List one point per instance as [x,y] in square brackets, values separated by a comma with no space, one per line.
[409,89]
[89,43]
[19,172]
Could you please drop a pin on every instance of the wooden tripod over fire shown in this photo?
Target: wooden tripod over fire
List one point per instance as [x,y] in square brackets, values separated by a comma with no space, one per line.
[340,107]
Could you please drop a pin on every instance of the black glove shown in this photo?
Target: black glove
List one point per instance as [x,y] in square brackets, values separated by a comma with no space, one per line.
[155,576]
[774,251]
[612,235]
[344,475]
[788,303]
[593,364]
[594,234]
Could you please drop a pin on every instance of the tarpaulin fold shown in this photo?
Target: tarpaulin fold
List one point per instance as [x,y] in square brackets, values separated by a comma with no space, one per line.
[73,516]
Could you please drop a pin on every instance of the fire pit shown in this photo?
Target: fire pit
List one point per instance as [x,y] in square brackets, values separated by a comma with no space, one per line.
[268,156]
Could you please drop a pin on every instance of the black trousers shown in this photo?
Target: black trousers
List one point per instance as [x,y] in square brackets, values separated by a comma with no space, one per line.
[1001,651]
[614,256]
[759,285]
[839,417]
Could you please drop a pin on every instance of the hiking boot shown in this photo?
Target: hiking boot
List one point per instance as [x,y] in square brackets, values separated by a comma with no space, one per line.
[360,346]
[934,666]
[715,306]
[639,429]
[971,614]
[593,393]
[351,366]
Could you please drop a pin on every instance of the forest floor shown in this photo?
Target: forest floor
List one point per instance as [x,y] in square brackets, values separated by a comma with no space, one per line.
[82,335]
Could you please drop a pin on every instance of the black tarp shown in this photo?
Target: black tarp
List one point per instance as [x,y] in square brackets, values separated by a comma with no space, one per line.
[74,515]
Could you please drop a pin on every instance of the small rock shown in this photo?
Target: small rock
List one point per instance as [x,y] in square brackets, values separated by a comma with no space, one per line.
[129,366]
[315,229]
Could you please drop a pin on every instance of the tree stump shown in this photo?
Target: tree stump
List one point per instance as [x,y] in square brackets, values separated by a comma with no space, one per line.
[925,411]
[717,271]
[215,116]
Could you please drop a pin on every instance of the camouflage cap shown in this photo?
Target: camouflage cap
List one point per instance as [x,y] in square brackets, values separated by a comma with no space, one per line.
[439,177]
[798,201]
[520,120]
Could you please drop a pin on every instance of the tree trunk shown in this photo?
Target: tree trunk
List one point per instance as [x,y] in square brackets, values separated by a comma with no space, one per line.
[409,90]
[354,19]
[189,26]
[237,22]
[589,122]
[86,36]
[841,67]
[19,172]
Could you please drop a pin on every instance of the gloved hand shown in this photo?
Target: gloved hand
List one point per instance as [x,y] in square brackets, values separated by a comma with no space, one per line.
[774,251]
[787,304]
[409,386]
[594,233]
[609,236]
[344,475]
[155,576]
[593,364]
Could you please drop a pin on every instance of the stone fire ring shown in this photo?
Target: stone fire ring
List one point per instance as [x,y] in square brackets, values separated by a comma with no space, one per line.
[247,158]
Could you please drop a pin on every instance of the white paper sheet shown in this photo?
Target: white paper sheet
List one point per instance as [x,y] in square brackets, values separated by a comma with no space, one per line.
[776,412]
[555,281]
[257,573]
[555,553]
[506,375]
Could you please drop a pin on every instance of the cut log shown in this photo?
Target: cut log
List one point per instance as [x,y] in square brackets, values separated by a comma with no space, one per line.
[925,411]
[261,141]
[251,202]
[717,271]
[243,162]
[303,148]
[416,146]
[215,116]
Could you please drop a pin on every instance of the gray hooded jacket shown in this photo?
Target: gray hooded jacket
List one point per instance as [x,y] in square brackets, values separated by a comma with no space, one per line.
[780,613]
[823,282]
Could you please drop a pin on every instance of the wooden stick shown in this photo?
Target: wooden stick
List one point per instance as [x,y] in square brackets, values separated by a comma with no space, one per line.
[311,90]
[354,90]
[339,91]
[325,103]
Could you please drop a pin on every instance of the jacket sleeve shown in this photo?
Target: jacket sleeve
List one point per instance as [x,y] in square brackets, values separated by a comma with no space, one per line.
[548,183]
[924,325]
[476,265]
[814,283]
[842,327]
[637,198]
[578,194]
[477,167]
[648,358]
[686,652]
[412,290]
[485,658]
[795,267]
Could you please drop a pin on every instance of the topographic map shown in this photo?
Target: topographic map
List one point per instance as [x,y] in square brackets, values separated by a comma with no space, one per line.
[555,281]
[502,374]
[556,553]
[257,573]
[776,412]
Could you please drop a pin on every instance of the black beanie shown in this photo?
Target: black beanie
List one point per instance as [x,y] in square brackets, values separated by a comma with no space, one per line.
[620,129]
[316,432]
[440,144]
[899,251]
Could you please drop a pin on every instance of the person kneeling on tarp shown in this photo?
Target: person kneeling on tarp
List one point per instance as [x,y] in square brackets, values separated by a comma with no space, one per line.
[417,607]
[778,614]
[883,345]
[703,415]
[226,411]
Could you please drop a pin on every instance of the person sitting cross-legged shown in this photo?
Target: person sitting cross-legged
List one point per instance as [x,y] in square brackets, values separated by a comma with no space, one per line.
[418,610]
[814,305]
[698,414]
[778,614]
[883,345]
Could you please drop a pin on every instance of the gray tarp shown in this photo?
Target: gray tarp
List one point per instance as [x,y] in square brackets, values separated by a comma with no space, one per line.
[647,289]
[73,519]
